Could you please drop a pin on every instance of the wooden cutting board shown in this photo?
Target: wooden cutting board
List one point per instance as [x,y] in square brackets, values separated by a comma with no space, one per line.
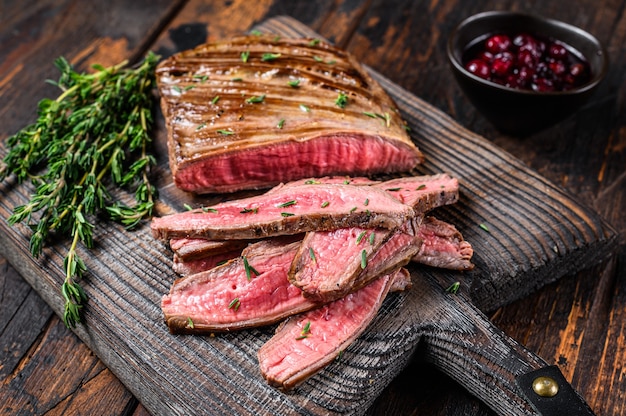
[537,234]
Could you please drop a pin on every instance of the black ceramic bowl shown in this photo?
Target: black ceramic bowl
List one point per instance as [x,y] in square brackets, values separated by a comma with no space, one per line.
[515,111]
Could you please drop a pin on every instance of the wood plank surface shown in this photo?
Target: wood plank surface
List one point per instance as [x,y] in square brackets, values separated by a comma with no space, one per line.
[358,27]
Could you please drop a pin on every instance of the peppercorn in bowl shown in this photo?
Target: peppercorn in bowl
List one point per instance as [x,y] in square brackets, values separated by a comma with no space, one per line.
[525,73]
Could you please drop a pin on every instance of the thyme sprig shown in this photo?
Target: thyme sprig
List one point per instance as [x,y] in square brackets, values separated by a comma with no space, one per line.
[95,133]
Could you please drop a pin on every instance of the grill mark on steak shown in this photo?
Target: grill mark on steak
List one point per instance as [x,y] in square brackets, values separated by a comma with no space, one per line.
[263,215]
[260,151]
[306,343]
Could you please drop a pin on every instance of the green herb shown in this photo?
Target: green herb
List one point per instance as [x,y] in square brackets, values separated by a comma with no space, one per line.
[215,99]
[177,89]
[226,132]
[318,58]
[312,255]
[360,237]
[346,182]
[314,42]
[281,123]
[287,204]
[372,238]
[393,189]
[304,108]
[188,207]
[312,182]
[366,202]
[244,56]
[419,188]
[406,127]
[190,323]
[201,126]
[363,259]
[202,78]
[254,210]
[255,99]
[342,100]
[454,287]
[287,214]
[209,209]
[234,304]
[353,209]
[248,268]
[256,32]
[294,83]
[189,87]
[269,56]
[484,227]
[96,133]
[325,204]
[306,330]
[237,79]
[367,113]
[221,262]
[276,38]
[386,117]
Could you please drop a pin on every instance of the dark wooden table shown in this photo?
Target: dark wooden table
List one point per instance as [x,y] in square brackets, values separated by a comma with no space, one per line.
[578,323]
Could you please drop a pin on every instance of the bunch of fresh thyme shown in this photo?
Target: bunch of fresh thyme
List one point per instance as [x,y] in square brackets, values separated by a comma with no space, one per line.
[95,133]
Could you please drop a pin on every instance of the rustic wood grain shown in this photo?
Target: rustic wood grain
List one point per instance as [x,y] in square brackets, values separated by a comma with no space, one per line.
[584,154]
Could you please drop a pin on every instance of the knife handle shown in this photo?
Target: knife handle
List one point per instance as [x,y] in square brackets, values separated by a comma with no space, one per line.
[461,341]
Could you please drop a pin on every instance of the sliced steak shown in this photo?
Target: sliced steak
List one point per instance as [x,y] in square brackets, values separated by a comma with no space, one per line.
[306,343]
[189,267]
[291,109]
[329,262]
[289,210]
[187,249]
[251,290]
[443,246]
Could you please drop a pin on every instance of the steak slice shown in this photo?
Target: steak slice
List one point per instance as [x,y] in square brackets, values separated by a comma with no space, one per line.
[289,210]
[443,246]
[187,249]
[193,266]
[306,343]
[291,109]
[235,295]
[328,262]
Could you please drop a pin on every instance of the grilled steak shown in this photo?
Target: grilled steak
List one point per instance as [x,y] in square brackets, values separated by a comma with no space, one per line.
[443,246]
[254,111]
[306,343]
[328,262]
[289,210]
[251,290]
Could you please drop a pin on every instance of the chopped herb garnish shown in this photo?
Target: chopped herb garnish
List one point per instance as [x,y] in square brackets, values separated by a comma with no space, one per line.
[367,113]
[276,38]
[237,79]
[221,263]
[209,209]
[201,126]
[190,323]
[454,287]
[360,236]
[202,78]
[306,330]
[342,100]
[244,56]
[363,259]
[406,127]
[248,268]
[366,202]
[188,207]
[484,227]
[269,56]
[177,89]
[386,117]
[215,99]
[287,204]
[318,58]
[311,182]
[256,99]
[234,304]
[393,189]
[372,238]
[353,209]
[281,123]
[419,188]
[249,210]
[189,87]
[256,32]
[314,42]
[294,83]
[287,214]
[304,108]
[226,132]
[312,254]
[346,182]
[325,204]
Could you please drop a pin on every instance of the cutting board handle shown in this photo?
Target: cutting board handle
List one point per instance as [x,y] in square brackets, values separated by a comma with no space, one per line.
[461,341]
